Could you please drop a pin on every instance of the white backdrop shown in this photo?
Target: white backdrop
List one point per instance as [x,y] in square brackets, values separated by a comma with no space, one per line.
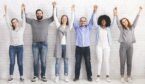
[127,8]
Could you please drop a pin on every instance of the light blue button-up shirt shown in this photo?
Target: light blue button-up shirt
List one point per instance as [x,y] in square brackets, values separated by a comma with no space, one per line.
[83,33]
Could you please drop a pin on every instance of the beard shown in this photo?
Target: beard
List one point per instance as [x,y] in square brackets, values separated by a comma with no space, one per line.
[39,17]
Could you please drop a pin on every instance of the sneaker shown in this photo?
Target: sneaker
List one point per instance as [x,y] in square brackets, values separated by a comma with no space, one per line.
[56,78]
[75,79]
[10,79]
[66,79]
[122,80]
[129,80]
[34,79]
[90,79]
[22,79]
[108,79]
[43,78]
[98,79]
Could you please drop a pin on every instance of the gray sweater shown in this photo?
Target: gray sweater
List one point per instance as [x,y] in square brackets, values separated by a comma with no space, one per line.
[127,35]
[39,28]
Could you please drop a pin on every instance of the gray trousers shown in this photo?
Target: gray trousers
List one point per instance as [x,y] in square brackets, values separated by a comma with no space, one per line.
[126,52]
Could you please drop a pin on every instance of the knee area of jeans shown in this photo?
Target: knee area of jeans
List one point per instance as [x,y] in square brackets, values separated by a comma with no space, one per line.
[88,60]
[12,64]
[20,64]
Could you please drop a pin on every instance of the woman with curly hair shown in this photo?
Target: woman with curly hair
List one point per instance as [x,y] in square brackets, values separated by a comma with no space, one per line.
[127,38]
[103,43]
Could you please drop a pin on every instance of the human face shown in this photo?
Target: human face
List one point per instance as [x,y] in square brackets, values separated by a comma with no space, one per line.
[103,23]
[39,15]
[64,19]
[15,23]
[125,22]
[83,21]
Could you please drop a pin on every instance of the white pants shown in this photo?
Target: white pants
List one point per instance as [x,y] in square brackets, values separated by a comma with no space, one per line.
[103,54]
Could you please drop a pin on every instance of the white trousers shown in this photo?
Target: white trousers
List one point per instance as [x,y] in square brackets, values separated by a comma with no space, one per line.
[103,54]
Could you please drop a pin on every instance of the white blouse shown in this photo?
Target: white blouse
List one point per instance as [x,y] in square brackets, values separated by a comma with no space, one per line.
[16,36]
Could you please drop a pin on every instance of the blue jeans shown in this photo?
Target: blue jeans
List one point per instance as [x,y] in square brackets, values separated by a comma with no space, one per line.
[57,64]
[13,51]
[40,50]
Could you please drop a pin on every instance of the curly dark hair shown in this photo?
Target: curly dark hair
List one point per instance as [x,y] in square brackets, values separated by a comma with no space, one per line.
[106,18]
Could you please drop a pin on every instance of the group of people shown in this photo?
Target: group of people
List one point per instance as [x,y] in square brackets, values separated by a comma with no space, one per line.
[82,29]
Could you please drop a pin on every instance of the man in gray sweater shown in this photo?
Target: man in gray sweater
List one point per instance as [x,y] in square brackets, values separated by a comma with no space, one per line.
[39,45]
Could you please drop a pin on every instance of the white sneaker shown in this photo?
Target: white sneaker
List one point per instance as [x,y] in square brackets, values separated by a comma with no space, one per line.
[98,79]
[129,79]
[56,78]
[66,79]
[108,79]
[122,80]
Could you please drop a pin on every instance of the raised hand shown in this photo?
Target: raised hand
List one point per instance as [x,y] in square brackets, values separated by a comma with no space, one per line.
[115,11]
[95,8]
[5,9]
[73,7]
[140,9]
[54,4]
[23,7]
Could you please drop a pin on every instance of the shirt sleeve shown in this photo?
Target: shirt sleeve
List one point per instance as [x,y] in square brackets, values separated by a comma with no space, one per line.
[118,23]
[114,18]
[91,22]
[8,22]
[75,23]
[135,22]
[23,21]
[56,19]
[72,20]
[28,20]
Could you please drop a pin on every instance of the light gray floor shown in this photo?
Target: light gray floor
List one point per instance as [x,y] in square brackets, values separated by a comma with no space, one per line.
[116,81]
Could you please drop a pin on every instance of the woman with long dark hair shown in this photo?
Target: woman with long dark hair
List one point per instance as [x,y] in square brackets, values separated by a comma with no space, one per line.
[62,43]
[127,38]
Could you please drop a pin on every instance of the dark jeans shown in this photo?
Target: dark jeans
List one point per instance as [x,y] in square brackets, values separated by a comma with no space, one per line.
[79,53]
[13,52]
[40,50]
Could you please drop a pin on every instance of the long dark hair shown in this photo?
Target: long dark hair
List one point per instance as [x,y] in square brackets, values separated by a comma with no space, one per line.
[12,24]
[106,18]
[129,24]
[67,23]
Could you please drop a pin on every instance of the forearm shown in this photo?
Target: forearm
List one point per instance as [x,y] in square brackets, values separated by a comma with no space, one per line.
[55,18]
[72,20]
[135,21]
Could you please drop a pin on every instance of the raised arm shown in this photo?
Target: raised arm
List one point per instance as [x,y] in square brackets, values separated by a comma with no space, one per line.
[7,18]
[51,19]
[114,17]
[28,20]
[136,19]
[117,19]
[75,22]
[72,16]
[23,16]
[54,15]
[93,17]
